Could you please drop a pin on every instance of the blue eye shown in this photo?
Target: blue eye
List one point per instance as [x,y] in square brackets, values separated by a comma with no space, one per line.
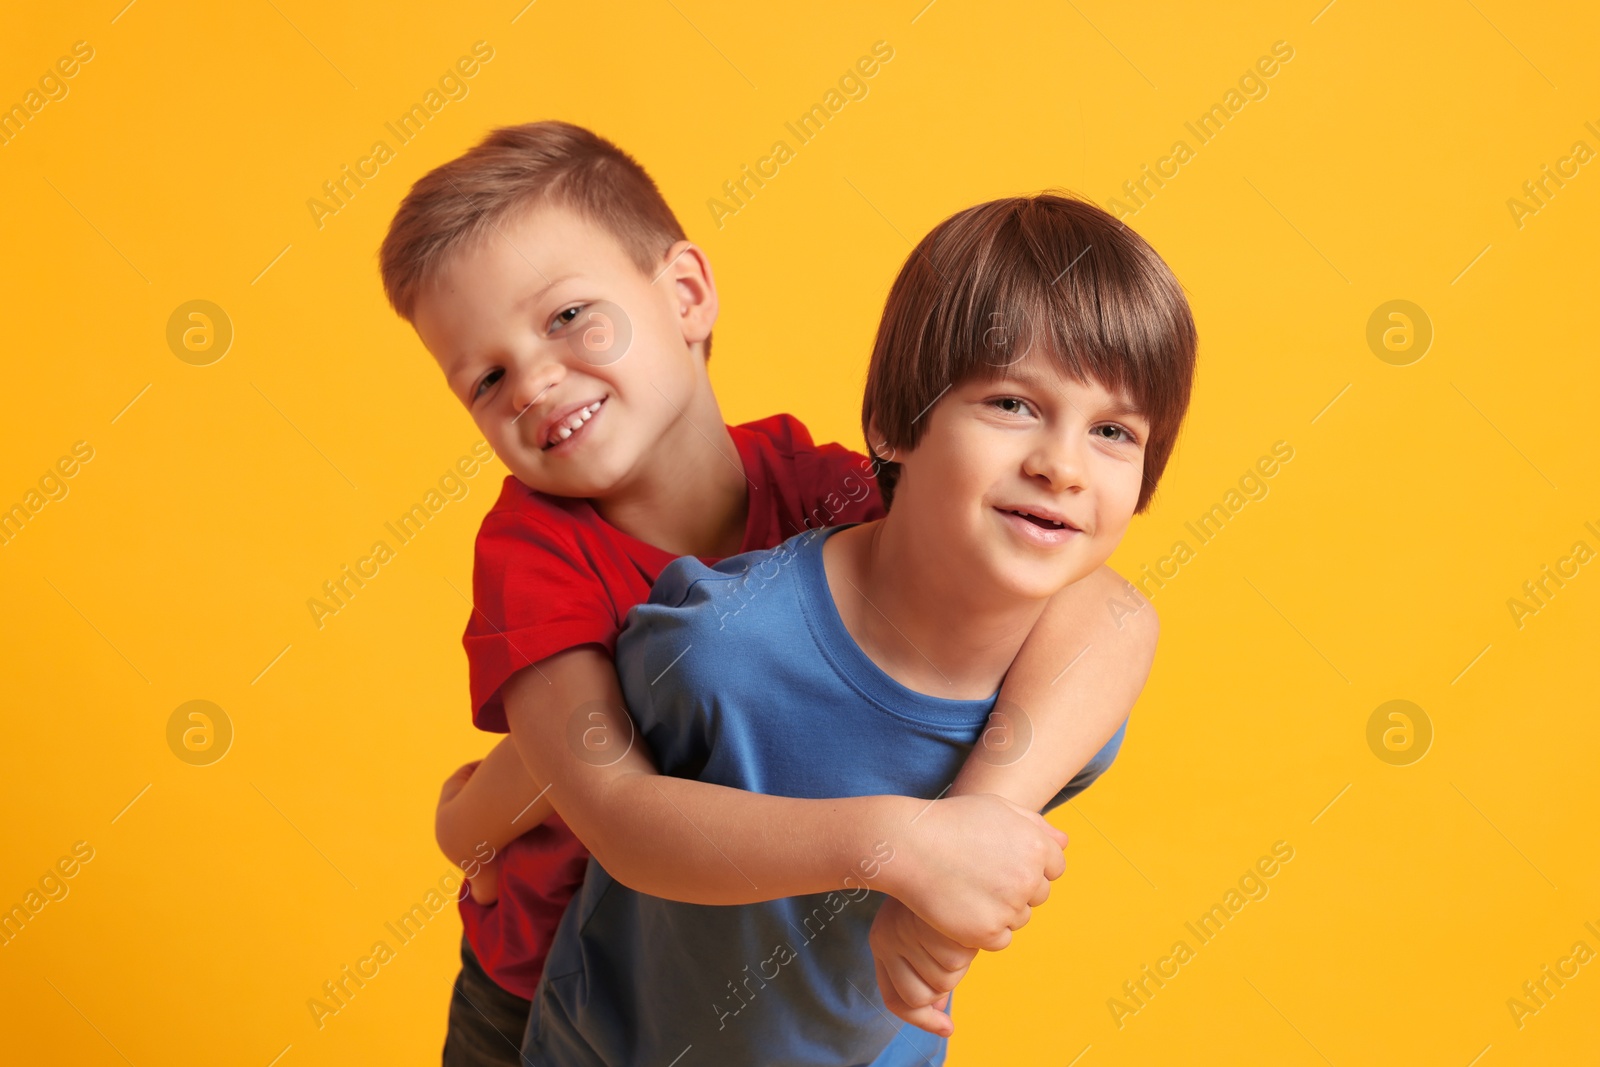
[488,380]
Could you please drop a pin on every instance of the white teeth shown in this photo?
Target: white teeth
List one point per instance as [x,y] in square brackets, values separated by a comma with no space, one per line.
[1030,515]
[566,428]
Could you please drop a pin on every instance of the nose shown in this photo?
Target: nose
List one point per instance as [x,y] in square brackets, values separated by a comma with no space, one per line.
[532,379]
[1059,456]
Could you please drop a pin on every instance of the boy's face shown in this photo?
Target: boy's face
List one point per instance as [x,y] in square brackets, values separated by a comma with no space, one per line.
[550,326]
[1032,441]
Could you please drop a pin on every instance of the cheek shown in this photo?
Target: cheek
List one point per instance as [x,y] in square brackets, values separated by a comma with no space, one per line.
[493,419]
[1119,496]
[656,359]
[957,476]
[957,469]
[972,457]
[655,317]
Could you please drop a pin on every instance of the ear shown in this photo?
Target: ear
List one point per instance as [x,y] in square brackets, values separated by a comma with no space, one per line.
[687,273]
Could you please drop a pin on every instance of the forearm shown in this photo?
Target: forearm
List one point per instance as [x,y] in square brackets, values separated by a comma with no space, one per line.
[682,839]
[498,803]
[709,844]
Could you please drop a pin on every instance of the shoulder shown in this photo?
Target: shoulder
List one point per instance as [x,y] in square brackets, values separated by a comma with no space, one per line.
[1132,610]
[519,505]
[522,513]
[829,483]
[780,433]
[717,626]
[531,536]
[785,437]
[688,582]
[741,600]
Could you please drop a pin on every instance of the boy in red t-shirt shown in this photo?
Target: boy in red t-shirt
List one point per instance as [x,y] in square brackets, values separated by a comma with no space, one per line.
[556,290]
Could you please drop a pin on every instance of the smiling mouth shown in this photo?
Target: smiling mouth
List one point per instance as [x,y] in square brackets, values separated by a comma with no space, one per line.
[572,424]
[1047,524]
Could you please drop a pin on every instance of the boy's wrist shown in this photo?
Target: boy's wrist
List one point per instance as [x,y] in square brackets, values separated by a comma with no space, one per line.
[888,835]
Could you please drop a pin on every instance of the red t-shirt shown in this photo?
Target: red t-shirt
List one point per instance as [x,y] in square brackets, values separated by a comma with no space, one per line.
[551,574]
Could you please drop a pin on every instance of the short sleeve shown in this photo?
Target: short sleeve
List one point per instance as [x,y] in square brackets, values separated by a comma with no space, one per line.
[534,594]
[669,665]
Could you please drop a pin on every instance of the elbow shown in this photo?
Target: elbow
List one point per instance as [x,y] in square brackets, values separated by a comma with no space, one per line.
[459,840]
[627,874]
[448,835]
[615,861]
[444,827]
[625,869]
[635,869]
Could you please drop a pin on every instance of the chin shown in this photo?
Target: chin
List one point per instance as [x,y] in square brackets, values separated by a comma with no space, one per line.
[1038,580]
[1021,579]
[584,488]
[1031,587]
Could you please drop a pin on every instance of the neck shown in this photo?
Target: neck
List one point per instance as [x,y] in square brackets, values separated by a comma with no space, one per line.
[689,495]
[917,613]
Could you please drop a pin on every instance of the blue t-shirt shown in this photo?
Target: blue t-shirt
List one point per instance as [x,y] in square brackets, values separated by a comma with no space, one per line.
[744,674]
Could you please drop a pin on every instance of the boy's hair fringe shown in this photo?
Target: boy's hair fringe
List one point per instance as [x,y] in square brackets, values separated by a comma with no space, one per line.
[1049,273]
[460,204]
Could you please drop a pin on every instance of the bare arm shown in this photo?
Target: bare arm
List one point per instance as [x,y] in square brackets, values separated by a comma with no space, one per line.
[496,802]
[1061,715]
[709,844]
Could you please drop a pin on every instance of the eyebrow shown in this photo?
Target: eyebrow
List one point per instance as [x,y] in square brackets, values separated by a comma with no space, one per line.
[543,289]
[528,298]
[1121,409]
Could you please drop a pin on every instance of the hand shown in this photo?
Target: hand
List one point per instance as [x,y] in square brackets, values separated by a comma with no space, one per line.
[917,967]
[976,865]
[454,783]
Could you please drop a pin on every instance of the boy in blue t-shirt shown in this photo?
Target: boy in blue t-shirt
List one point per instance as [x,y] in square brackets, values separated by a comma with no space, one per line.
[1030,374]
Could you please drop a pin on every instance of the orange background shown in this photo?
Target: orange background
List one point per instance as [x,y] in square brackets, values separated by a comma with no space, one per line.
[1378,566]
